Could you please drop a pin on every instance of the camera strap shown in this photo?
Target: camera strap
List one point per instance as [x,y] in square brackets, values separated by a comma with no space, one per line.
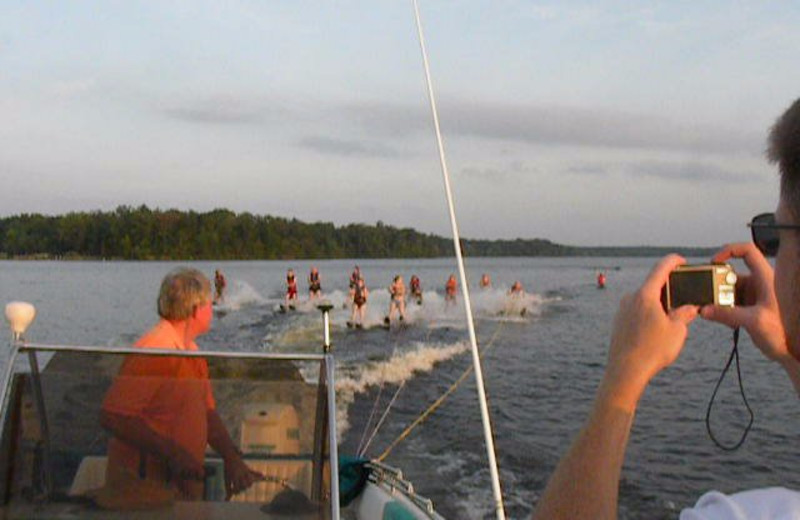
[734,356]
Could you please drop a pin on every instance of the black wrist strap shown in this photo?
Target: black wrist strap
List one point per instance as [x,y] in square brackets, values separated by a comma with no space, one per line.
[734,356]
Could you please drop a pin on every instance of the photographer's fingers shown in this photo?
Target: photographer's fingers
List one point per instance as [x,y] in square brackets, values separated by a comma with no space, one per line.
[758,288]
[732,317]
[659,274]
[762,323]
[748,251]
[685,313]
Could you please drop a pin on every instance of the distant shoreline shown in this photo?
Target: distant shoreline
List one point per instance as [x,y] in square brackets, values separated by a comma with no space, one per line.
[619,252]
[171,235]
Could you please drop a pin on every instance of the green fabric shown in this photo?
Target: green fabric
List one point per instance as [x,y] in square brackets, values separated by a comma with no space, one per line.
[396,511]
[353,476]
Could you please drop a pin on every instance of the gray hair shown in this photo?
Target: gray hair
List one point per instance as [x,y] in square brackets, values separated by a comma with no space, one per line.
[181,290]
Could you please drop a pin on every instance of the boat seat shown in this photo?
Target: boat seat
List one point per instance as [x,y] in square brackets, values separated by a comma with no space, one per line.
[273,429]
[91,474]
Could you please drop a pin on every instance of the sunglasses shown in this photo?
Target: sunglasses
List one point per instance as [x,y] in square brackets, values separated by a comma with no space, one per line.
[765,233]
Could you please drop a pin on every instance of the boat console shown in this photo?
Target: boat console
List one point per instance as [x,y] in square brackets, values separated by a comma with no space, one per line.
[54,463]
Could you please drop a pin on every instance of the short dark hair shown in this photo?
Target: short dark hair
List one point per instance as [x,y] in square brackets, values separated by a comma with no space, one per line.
[783,149]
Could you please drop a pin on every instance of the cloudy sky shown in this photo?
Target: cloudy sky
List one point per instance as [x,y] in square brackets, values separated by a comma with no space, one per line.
[588,123]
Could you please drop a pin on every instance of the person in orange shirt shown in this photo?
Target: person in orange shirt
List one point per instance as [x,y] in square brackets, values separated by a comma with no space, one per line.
[160,410]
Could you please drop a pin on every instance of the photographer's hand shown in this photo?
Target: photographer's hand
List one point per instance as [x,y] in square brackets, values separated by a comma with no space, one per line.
[646,339]
[757,307]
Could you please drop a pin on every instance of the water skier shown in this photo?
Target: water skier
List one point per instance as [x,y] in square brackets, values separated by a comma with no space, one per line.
[360,294]
[219,287]
[398,300]
[517,294]
[450,289]
[354,276]
[291,290]
[314,284]
[601,280]
[416,289]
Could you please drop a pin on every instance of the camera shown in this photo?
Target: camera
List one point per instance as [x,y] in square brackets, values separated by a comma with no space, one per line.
[707,284]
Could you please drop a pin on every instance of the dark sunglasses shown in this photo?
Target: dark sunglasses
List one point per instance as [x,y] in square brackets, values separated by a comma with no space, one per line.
[765,233]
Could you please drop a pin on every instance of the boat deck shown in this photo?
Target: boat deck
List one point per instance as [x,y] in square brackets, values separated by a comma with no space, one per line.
[179,511]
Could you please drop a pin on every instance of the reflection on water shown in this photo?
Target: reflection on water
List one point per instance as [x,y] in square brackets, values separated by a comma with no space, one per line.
[541,371]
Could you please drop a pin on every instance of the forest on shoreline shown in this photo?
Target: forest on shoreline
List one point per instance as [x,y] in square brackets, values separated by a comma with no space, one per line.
[142,233]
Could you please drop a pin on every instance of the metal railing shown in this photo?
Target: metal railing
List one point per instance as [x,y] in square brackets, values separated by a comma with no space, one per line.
[392,479]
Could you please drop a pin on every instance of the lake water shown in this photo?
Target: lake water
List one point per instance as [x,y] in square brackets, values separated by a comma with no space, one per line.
[541,371]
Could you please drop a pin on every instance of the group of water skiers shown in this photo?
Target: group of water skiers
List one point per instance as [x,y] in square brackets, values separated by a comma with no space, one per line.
[359,293]
[314,287]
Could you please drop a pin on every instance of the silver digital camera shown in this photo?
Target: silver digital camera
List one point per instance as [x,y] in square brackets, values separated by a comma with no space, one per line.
[707,284]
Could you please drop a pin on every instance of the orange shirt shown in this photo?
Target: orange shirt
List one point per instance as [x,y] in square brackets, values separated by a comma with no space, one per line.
[171,395]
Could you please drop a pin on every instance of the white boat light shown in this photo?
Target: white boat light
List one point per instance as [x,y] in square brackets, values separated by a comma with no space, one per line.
[19,316]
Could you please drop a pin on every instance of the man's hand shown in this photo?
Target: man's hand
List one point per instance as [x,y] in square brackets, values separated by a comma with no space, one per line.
[756,306]
[182,464]
[645,339]
[238,477]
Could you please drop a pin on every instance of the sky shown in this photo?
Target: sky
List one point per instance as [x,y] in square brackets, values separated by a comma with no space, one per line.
[586,123]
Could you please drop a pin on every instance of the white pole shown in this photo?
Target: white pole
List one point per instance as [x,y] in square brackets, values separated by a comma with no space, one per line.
[326,307]
[327,327]
[476,360]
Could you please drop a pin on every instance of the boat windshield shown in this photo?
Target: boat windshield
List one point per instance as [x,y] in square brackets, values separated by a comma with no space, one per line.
[72,443]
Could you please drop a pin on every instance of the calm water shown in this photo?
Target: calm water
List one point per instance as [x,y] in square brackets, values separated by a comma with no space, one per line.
[541,372]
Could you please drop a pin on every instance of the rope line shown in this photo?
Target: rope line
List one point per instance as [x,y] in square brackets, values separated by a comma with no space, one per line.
[436,404]
[359,451]
[382,419]
[362,449]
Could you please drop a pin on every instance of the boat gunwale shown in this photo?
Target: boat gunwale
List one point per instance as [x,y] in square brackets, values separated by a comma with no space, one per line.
[37,347]
[391,480]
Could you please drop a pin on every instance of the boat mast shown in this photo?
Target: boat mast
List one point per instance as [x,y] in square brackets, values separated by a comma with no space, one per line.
[476,360]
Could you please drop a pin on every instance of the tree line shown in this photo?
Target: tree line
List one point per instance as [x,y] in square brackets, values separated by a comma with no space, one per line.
[153,234]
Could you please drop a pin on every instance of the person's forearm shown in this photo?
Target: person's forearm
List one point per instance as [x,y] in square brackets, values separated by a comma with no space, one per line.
[218,436]
[586,482]
[134,431]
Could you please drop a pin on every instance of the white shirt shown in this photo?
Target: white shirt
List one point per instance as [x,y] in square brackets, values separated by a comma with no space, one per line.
[776,503]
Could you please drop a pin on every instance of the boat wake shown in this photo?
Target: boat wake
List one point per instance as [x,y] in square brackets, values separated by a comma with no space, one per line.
[239,294]
[352,380]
